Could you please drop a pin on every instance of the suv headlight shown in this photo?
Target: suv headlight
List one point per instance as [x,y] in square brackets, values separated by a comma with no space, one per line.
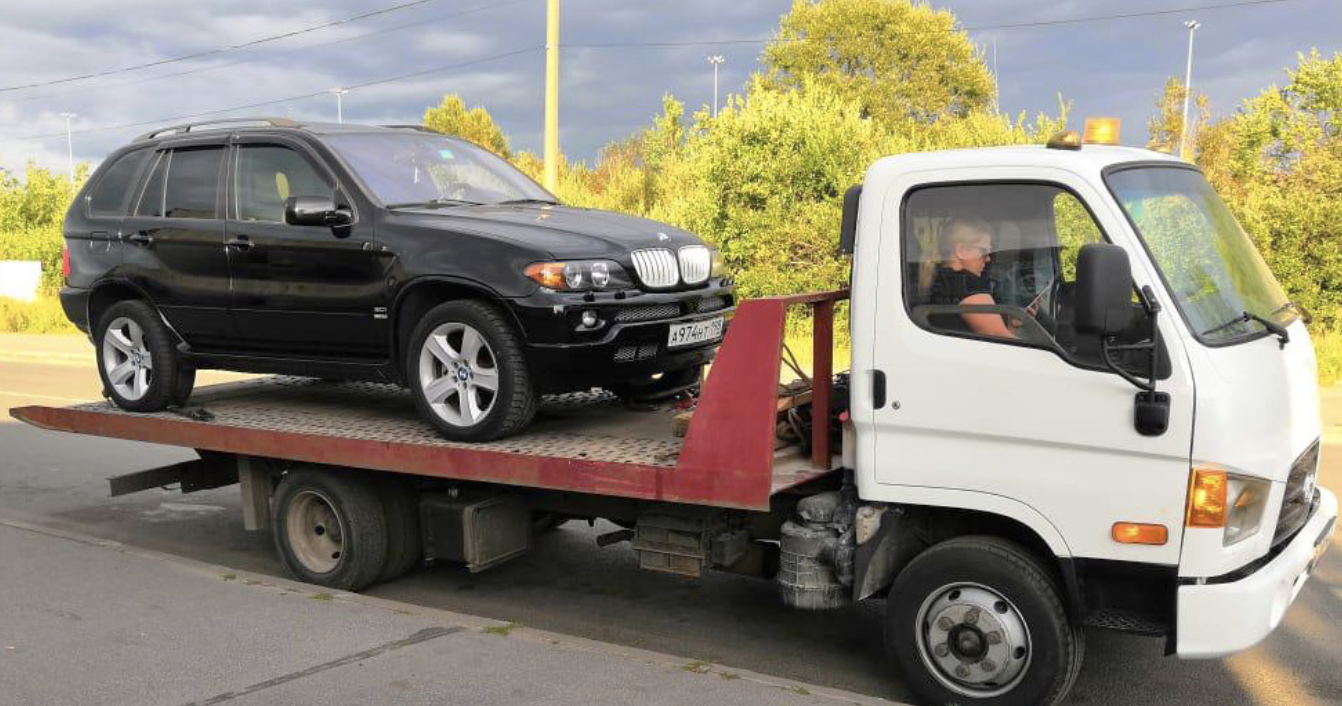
[1246,499]
[579,275]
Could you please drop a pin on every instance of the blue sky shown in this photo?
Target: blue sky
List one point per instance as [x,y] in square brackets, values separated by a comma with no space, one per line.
[1104,68]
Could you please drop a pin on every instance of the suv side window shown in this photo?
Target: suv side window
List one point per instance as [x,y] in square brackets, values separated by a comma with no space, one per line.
[193,183]
[267,175]
[997,262]
[151,201]
[110,194]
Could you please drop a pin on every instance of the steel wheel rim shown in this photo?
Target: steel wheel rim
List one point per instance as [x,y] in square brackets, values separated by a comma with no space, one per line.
[959,648]
[127,362]
[458,374]
[316,534]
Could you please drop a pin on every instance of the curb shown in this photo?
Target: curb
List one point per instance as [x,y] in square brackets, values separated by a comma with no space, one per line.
[246,579]
[70,359]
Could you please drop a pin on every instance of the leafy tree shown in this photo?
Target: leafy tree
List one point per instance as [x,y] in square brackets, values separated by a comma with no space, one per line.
[897,60]
[477,125]
[1166,126]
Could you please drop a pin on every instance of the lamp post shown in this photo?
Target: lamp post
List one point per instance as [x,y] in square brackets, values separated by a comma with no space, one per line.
[715,61]
[551,149]
[340,107]
[1192,26]
[70,143]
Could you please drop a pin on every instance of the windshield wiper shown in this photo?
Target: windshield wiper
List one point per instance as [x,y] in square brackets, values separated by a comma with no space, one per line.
[435,202]
[1272,326]
[514,202]
[1305,316]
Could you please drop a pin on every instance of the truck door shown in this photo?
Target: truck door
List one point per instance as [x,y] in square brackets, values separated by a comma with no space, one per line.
[1010,410]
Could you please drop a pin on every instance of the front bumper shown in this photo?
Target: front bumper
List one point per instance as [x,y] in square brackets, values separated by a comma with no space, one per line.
[1217,619]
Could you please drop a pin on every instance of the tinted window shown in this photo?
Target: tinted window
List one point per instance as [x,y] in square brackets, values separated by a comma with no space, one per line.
[267,175]
[112,191]
[193,183]
[151,202]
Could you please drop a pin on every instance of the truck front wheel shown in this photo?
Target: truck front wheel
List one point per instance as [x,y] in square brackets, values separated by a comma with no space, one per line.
[979,620]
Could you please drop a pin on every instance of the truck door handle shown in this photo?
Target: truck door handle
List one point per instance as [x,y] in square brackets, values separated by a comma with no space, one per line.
[141,238]
[241,242]
[877,389]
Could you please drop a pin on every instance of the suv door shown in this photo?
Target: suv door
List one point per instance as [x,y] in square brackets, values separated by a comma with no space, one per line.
[174,242]
[313,291]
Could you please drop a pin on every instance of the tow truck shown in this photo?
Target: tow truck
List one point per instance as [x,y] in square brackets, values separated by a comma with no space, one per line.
[1140,454]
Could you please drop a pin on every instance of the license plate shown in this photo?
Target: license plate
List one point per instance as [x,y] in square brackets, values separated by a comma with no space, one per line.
[694,332]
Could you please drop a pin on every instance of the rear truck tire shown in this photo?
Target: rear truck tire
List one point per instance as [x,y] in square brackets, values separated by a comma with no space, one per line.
[137,357]
[978,620]
[653,389]
[400,506]
[330,529]
[467,371]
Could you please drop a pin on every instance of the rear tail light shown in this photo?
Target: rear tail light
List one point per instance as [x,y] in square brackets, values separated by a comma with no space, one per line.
[65,262]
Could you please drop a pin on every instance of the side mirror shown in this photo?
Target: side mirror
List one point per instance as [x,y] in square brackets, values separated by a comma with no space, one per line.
[315,211]
[1103,290]
[848,226]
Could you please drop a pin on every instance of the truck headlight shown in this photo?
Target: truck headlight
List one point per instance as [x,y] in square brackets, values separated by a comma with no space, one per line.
[1246,499]
[578,275]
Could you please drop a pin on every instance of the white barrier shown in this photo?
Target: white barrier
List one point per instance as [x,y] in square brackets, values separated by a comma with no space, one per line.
[19,279]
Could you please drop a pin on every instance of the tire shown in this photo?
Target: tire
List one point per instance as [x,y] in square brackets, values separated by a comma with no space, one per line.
[463,407]
[400,507]
[330,529]
[652,389]
[186,382]
[932,607]
[137,357]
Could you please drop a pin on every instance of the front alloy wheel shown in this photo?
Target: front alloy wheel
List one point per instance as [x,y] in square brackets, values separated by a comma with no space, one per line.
[458,374]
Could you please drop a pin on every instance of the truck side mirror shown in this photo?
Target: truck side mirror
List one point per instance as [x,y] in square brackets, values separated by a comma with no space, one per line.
[848,226]
[1103,290]
[315,211]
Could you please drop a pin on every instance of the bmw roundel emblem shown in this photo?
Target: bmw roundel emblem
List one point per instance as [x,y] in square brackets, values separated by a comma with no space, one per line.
[663,236]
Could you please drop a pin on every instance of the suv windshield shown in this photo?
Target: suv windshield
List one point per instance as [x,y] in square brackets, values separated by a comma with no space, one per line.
[1213,270]
[423,168]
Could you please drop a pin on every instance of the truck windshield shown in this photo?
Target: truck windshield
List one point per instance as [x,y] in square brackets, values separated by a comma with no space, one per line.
[1214,272]
[413,168]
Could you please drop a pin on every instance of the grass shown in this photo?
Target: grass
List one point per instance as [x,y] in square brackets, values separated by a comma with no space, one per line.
[41,316]
[501,630]
[1328,352]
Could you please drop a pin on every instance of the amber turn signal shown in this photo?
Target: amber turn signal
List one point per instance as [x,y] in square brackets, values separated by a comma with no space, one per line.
[1207,498]
[1137,533]
[547,274]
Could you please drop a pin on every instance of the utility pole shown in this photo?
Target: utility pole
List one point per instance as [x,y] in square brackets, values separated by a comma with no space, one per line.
[340,108]
[551,155]
[715,61]
[70,144]
[1192,26]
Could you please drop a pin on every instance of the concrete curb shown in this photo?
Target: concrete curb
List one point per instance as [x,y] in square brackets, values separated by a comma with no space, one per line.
[447,618]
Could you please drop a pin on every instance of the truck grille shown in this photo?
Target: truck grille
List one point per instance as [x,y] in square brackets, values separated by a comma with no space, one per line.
[1300,495]
[656,268]
[695,264]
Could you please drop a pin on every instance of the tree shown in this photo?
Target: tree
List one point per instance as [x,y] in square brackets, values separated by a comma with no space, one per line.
[1165,128]
[476,124]
[899,61]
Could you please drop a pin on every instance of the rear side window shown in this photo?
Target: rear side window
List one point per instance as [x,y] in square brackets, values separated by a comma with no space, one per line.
[193,183]
[112,192]
[151,202]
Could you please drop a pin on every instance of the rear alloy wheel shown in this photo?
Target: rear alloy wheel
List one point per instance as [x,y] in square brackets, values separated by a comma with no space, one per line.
[137,360]
[468,373]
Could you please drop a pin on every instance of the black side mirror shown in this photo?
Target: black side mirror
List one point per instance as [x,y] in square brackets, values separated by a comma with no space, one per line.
[848,226]
[1103,290]
[315,211]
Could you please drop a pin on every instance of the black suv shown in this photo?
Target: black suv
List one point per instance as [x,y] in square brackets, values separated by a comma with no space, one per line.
[392,254]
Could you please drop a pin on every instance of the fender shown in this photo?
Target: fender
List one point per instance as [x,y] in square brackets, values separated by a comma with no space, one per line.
[413,285]
[989,503]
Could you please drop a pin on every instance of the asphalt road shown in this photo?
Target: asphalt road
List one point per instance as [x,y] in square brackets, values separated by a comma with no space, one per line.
[568,585]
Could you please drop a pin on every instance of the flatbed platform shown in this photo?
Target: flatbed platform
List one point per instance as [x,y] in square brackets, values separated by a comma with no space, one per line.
[587,443]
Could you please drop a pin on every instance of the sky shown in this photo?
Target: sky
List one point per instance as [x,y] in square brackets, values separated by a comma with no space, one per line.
[490,52]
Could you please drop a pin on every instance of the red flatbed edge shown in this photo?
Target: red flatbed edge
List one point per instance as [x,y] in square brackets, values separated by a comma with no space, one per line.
[584,443]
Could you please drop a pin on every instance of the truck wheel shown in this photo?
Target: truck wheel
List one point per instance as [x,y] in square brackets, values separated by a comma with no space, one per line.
[468,373]
[978,620]
[137,358]
[400,505]
[330,529]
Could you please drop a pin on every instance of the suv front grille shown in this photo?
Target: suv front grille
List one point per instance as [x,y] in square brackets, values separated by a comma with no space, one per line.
[695,264]
[708,304]
[648,312]
[656,267]
[1300,495]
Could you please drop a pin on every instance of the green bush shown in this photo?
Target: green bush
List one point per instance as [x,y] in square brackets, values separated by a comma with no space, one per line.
[43,244]
[41,316]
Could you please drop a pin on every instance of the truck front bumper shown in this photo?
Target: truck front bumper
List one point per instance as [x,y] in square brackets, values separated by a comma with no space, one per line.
[1217,619]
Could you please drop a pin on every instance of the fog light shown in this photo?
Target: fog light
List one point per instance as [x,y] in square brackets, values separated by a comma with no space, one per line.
[589,319]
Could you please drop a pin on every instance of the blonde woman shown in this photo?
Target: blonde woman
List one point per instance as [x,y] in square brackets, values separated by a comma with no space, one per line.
[961,276]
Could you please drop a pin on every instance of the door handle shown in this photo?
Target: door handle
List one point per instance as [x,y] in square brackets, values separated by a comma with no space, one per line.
[241,242]
[877,389]
[142,238]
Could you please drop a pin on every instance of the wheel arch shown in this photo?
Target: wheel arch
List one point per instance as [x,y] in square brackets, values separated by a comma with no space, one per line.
[418,296]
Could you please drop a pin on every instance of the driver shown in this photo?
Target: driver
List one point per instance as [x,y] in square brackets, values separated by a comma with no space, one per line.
[964,244]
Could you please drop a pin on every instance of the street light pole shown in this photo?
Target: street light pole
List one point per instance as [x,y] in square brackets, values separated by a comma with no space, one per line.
[715,61]
[1192,26]
[340,107]
[551,155]
[70,144]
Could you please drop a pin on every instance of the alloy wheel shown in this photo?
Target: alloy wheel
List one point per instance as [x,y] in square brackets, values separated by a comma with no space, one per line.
[126,359]
[458,374]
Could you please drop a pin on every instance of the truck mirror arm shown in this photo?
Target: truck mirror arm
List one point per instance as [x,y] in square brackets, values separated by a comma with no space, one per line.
[1152,408]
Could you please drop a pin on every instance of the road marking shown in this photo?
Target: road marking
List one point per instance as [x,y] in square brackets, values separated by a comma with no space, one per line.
[53,398]
[1266,681]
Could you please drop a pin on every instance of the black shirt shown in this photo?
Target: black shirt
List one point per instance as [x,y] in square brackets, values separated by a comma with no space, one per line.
[952,287]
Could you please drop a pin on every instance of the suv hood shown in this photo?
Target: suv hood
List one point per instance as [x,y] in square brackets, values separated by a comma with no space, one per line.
[564,232]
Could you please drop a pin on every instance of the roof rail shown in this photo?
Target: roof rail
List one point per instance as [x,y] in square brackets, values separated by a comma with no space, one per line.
[217,125]
[421,128]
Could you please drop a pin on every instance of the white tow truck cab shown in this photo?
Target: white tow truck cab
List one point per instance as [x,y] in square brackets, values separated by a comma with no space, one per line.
[1145,414]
